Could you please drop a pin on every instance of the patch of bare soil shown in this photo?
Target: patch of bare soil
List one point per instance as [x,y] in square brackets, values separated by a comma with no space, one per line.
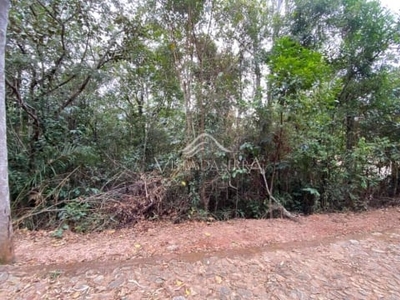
[155,239]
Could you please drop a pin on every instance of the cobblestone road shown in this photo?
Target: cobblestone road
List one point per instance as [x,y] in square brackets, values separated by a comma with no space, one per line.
[366,266]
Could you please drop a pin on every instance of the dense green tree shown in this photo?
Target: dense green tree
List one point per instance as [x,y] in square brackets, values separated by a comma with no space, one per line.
[56,53]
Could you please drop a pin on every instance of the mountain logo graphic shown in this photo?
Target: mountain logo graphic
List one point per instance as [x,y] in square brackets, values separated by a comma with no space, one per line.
[199,143]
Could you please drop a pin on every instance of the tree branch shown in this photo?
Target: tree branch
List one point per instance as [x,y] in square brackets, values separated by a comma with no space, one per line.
[102,61]
[277,205]
[58,61]
[28,109]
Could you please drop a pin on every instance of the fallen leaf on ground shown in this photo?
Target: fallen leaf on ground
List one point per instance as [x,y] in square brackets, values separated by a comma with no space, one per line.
[179,283]
[218,279]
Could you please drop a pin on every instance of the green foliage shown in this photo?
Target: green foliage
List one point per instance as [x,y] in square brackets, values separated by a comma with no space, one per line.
[58,233]
[74,211]
[255,209]
[294,67]
[75,215]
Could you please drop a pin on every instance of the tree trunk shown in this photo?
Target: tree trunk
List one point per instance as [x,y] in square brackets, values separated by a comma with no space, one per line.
[350,132]
[6,245]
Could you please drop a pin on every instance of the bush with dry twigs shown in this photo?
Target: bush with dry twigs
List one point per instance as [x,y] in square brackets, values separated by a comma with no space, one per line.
[146,195]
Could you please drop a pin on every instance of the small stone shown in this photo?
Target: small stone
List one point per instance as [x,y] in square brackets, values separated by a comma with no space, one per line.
[172,248]
[13,279]
[116,283]
[354,242]
[179,298]
[377,250]
[91,274]
[377,233]
[245,294]
[223,290]
[3,276]
[74,280]
[98,279]
[81,287]
[296,294]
